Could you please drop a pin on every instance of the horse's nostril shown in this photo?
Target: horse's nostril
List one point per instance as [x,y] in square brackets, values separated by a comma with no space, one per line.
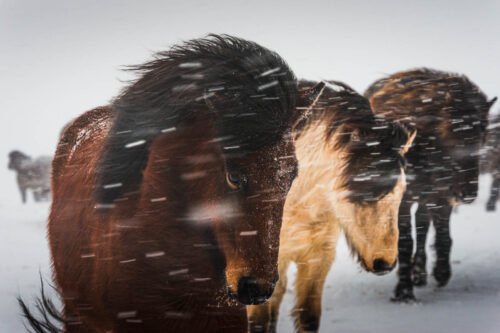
[250,293]
[380,266]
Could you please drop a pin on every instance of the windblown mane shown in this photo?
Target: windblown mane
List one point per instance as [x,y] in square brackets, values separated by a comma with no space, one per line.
[250,89]
[371,143]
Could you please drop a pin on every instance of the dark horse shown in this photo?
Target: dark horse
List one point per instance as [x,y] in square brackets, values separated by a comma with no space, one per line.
[450,114]
[491,161]
[171,199]
[32,174]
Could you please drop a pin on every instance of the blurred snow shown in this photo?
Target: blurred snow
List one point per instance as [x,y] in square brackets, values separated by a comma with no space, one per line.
[354,301]
[60,58]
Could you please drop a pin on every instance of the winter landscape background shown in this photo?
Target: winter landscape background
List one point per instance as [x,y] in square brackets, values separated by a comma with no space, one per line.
[60,58]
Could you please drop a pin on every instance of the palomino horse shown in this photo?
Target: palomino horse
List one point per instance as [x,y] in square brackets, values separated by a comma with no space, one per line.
[491,161]
[171,199]
[350,178]
[451,115]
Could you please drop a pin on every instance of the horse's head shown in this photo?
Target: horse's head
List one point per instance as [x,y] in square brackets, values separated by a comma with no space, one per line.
[16,159]
[256,185]
[462,135]
[368,186]
[361,168]
[246,96]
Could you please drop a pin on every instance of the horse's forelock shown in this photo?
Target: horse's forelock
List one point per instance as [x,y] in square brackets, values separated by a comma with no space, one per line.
[373,163]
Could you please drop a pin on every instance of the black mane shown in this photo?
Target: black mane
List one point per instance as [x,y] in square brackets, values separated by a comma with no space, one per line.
[251,89]
[372,143]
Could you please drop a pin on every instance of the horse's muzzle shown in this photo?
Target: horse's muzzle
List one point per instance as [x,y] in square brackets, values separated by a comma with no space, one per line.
[381,267]
[250,293]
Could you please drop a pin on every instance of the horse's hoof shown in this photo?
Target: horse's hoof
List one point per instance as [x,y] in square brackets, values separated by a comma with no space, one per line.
[442,274]
[419,279]
[403,294]
[404,299]
[309,323]
[490,207]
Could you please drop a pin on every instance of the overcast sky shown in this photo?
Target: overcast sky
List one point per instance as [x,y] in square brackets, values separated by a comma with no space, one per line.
[60,58]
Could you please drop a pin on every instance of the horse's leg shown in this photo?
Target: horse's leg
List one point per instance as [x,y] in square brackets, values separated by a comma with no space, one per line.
[422,221]
[46,194]
[404,288]
[36,195]
[277,298]
[441,220]
[311,274]
[495,189]
[23,193]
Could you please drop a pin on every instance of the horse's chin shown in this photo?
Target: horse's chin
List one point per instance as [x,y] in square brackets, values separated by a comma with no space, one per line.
[246,300]
[363,264]
[357,256]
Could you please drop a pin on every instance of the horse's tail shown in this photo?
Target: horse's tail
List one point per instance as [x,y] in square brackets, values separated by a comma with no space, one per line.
[250,88]
[48,318]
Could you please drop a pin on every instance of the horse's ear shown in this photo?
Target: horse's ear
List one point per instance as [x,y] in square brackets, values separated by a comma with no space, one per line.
[412,134]
[492,101]
[306,99]
[313,94]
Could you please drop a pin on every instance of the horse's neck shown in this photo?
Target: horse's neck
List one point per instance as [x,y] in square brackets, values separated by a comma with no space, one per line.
[319,168]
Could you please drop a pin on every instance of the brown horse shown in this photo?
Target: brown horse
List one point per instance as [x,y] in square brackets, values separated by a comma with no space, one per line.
[491,161]
[171,199]
[451,115]
[350,178]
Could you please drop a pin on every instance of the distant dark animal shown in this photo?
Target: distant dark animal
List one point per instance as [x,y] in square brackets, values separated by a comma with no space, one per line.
[32,174]
[450,114]
[491,161]
[171,199]
[351,178]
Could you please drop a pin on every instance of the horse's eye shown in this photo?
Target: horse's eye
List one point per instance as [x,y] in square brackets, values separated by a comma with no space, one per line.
[235,180]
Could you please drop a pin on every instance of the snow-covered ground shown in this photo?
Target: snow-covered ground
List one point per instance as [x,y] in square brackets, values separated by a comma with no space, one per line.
[354,301]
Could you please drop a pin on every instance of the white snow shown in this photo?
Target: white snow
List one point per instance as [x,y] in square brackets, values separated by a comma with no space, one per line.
[135,143]
[46,84]
[353,301]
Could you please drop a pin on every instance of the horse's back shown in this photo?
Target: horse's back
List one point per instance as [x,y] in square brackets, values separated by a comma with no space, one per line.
[423,96]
